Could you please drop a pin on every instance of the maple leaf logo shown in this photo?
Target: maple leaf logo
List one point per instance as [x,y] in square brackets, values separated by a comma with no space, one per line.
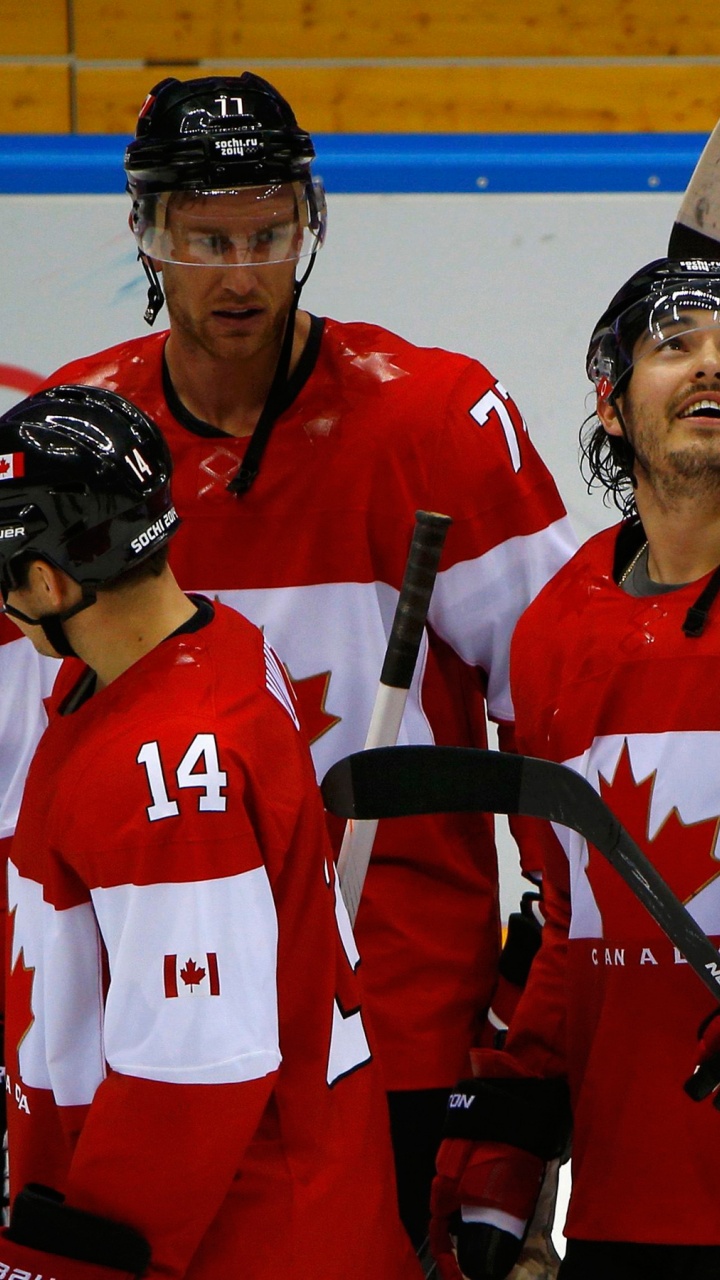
[192,975]
[683,853]
[4,466]
[311,693]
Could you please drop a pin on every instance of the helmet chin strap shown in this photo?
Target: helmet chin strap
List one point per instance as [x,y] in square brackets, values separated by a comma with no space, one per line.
[51,623]
[247,472]
[156,297]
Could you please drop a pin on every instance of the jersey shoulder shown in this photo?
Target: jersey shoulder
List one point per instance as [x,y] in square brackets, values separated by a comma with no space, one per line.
[552,629]
[413,399]
[168,750]
[117,367]
[567,589]
[385,356]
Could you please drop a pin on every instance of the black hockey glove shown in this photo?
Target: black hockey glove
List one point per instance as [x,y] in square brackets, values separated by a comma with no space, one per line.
[705,1080]
[47,1238]
[500,1133]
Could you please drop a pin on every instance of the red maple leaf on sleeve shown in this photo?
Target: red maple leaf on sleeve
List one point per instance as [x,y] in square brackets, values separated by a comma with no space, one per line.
[192,974]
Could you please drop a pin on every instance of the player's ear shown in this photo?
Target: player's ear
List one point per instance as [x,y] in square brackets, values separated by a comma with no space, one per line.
[607,413]
[50,585]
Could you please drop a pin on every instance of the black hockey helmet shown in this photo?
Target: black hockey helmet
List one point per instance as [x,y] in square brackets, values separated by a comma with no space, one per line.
[84,485]
[221,136]
[218,131]
[653,301]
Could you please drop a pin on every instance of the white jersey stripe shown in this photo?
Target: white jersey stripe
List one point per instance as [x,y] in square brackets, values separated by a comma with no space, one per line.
[222,936]
[277,684]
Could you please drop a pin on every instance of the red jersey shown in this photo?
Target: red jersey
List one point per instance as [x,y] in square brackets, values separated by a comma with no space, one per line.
[314,553]
[186,1043]
[610,685]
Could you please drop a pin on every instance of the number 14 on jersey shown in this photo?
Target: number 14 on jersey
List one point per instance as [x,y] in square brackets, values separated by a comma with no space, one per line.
[211,783]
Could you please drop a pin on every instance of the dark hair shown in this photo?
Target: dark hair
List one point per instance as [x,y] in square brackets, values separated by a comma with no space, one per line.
[151,567]
[606,462]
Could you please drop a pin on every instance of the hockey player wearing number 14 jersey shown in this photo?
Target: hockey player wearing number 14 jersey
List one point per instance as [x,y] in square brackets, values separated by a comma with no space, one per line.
[188,1060]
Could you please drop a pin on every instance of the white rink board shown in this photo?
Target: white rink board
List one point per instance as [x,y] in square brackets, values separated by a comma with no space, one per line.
[515,280]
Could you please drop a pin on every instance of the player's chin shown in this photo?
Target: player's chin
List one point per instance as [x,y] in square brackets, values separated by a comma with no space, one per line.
[698,460]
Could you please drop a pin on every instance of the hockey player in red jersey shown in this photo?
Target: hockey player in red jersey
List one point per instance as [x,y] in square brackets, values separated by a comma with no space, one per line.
[187,1055]
[302,448]
[614,672]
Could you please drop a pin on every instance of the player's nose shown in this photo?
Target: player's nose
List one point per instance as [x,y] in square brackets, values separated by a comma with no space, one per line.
[707,363]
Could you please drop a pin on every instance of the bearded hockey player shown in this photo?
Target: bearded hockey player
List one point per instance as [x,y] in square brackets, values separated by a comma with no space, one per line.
[614,672]
[191,1089]
[303,447]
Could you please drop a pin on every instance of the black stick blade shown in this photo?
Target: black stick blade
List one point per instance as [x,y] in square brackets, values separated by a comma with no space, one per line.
[687,243]
[696,230]
[394,782]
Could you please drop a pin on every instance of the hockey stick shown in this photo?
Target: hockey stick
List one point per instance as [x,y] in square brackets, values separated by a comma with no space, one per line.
[696,231]
[413,780]
[395,679]
[426,1260]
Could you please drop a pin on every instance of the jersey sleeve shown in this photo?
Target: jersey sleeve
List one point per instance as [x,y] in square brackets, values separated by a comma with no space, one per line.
[536,1039]
[510,532]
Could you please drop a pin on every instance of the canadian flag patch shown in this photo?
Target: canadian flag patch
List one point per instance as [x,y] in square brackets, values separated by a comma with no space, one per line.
[198,976]
[12,465]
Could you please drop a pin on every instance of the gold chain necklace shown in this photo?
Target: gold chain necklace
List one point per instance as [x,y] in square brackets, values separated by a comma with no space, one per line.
[628,570]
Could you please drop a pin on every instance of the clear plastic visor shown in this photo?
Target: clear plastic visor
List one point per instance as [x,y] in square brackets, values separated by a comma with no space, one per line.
[679,323]
[231,227]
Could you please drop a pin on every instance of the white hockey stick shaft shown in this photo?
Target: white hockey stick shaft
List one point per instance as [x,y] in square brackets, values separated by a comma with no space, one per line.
[396,677]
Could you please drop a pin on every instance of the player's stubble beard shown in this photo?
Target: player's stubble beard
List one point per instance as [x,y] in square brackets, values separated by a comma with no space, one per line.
[197,330]
[687,471]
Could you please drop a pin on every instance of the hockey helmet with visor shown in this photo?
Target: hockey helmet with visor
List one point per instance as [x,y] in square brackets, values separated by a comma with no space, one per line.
[220,175]
[664,301]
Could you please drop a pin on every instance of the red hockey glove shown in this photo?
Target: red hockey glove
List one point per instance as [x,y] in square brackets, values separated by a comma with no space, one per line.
[500,1134]
[705,1079]
[47,1238]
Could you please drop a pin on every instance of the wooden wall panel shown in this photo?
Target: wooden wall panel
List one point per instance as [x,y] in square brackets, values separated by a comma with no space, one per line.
[405,99]
[171,30]
[34,99]
[33,29]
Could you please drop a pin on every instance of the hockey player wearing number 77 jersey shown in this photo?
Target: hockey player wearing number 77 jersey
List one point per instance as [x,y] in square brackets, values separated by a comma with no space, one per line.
[192,1088]
[303,446]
